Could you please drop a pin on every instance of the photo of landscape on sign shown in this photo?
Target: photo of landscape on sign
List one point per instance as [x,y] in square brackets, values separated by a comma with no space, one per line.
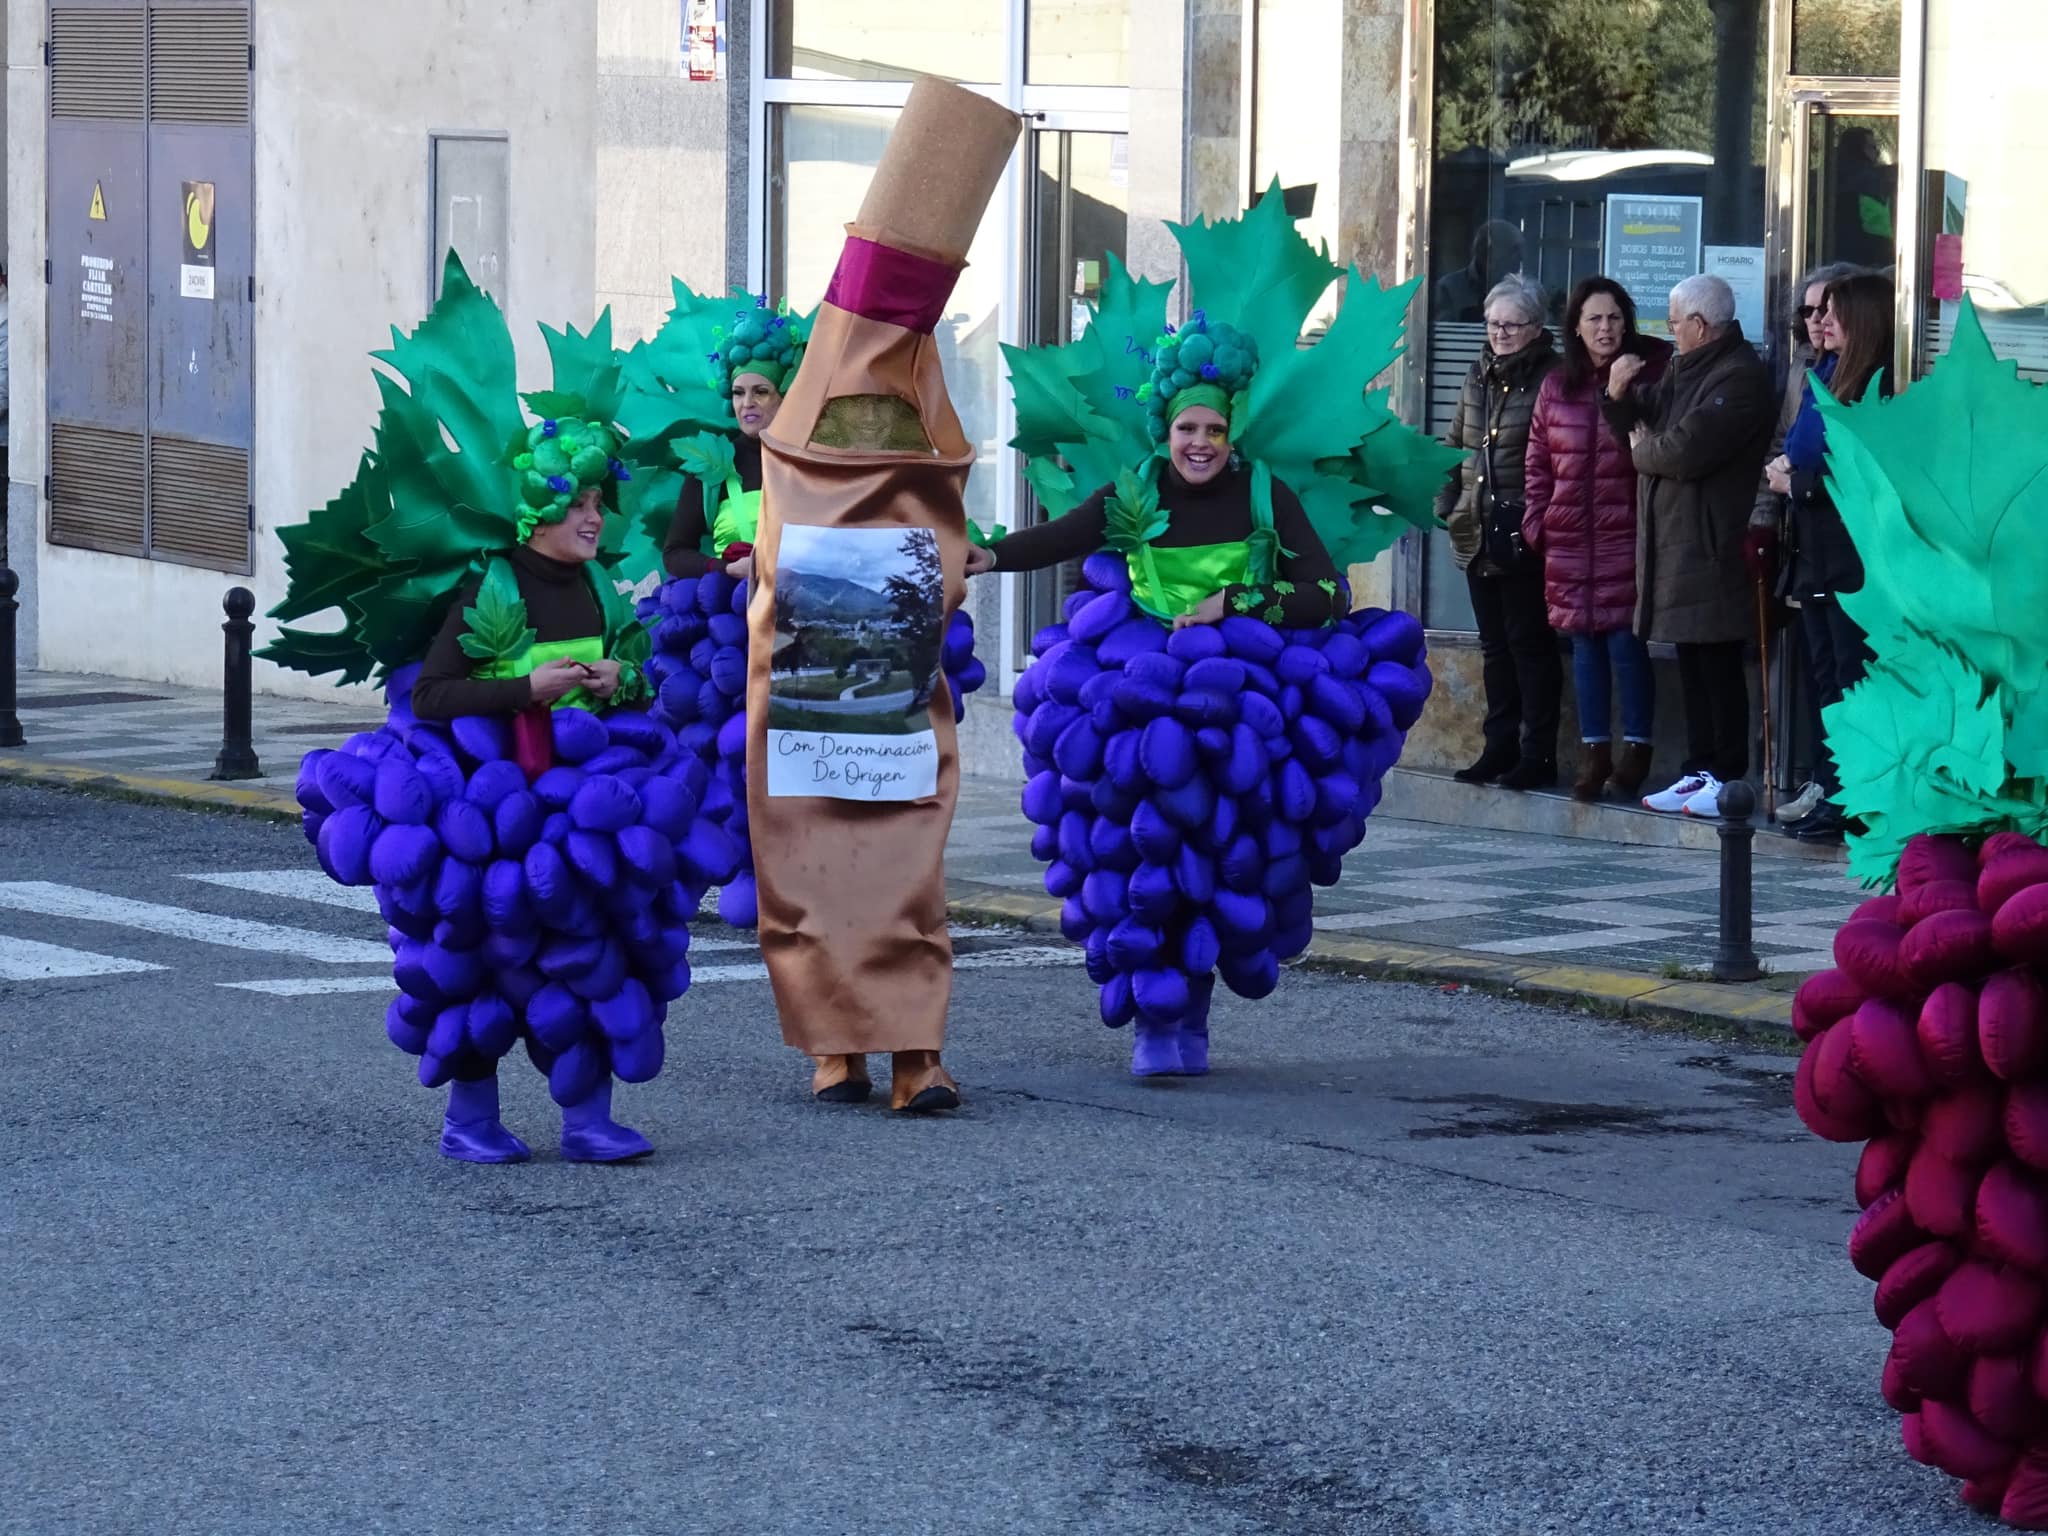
[859,616]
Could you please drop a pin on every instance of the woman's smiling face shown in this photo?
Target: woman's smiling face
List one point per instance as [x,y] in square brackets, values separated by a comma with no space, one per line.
[1200,443]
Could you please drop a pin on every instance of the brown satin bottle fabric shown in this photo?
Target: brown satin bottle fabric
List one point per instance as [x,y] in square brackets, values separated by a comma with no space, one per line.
[853,895]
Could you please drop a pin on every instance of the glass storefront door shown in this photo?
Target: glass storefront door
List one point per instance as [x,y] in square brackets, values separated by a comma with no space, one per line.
[1079,216]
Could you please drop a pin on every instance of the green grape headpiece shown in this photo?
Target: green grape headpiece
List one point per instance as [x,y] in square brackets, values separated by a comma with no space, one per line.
[759,341]
[562,458]
[1205,362]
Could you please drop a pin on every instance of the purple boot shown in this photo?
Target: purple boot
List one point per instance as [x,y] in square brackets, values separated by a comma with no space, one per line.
[1155,1050]
[590,1135]
[1194,1029]
[471,1132]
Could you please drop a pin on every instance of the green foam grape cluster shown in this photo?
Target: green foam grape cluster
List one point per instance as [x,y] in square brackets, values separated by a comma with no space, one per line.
[1203,351]
[762,342]
[563,458]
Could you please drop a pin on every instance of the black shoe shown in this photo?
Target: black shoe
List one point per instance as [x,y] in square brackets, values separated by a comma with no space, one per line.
[1531,773]
[1825,825]
[1492,763]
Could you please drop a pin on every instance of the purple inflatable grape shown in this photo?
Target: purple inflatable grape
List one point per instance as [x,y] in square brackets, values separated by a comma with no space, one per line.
[1191,787]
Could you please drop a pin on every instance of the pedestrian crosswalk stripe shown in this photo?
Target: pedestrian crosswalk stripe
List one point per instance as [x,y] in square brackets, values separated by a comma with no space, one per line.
[1028,955]
[27,960]
[314,986]
[296,884]
[66,901]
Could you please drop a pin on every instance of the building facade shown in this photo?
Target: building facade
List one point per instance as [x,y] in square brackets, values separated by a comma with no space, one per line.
[565,147]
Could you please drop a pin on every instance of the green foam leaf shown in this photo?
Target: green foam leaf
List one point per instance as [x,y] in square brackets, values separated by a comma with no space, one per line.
[1256,271]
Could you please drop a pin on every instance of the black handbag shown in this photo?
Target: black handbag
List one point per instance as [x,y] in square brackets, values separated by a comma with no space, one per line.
[1501,521]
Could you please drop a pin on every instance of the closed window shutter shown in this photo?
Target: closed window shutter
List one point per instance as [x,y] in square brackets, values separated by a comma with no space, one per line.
[199,65]
[198,504]
[96,488]
[96,64]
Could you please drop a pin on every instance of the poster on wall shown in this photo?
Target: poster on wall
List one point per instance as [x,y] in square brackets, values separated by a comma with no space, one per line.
[1651,245]
[704,40]
[1742,268]
[195,271]
[860,614]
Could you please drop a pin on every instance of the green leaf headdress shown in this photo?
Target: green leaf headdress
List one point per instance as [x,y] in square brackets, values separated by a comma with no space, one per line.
[1085,413]
[1944,491]
[438,492]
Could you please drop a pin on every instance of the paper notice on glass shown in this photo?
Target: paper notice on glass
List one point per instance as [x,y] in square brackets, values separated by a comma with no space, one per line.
[1650,245]
[1742,268]
[859,619]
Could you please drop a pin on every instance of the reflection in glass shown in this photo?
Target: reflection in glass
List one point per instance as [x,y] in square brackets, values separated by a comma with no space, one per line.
[1078,42]
[1544,114]
[1986,225]
[1852,193]
[1297,131]
[823,160]
[1846,37]
[885,39]
[1080,216]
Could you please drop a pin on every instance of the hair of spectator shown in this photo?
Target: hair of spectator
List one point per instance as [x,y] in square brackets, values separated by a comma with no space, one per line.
[1825,275]
[1707,296]
[1524,293]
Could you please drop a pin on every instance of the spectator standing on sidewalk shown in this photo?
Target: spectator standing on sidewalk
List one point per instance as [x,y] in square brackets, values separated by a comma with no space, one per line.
[1763,545]
[1699,437]
[1821,561]
[1581,523]
[1483,508]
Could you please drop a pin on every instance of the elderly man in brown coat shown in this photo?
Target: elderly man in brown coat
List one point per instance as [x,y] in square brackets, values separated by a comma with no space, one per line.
[1699,436]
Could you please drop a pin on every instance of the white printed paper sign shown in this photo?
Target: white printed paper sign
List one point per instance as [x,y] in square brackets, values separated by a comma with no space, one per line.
[860,616]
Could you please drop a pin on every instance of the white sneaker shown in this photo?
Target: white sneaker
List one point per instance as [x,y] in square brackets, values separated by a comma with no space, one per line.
[1674,799]
[1708,801]
[1800,805]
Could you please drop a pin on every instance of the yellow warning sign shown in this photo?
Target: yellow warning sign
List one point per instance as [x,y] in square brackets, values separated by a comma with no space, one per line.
[99,204]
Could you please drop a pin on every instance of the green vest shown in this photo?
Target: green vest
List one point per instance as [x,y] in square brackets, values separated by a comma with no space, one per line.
[1167,583]
[503,583]
[735,517]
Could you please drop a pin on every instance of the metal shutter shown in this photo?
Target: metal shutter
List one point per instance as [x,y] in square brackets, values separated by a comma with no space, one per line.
[96,69]
[96,488]
[199,504]
[199,65]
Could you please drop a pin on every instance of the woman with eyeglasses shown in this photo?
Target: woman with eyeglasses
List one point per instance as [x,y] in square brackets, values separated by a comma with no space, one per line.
[1581,523]
[1483,507]
[1821,562]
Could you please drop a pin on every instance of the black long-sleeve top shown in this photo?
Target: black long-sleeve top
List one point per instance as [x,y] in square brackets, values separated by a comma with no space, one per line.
[1219,512]
[560,605]
[682,554]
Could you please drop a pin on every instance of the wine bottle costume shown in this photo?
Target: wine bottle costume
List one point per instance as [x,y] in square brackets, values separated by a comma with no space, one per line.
[697,619]
[536,866]
[866,460]
[1929,1041]
[1192,786]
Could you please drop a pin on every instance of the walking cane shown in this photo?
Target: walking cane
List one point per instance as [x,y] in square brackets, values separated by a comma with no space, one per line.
[1763,646]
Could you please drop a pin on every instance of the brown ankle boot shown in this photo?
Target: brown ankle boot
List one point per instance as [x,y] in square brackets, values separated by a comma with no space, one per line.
[841,1080]
[1632,768]
[1594,771]
[918,1085]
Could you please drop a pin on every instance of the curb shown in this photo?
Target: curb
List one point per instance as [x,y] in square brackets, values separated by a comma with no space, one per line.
[1741,1007]
[268,804]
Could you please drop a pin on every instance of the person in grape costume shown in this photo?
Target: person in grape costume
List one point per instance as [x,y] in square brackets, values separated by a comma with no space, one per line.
[533,836]
[1206,732]
[697,619]
[1928,1041]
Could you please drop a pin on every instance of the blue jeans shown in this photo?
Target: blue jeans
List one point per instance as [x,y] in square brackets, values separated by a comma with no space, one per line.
[1591,655]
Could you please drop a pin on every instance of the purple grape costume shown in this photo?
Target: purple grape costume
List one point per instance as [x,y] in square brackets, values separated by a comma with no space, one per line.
[681,408]
[1192,785]
[545,908]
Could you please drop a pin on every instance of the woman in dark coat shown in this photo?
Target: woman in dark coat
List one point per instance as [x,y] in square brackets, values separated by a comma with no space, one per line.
[1581,522]
[1820,561]
[1483,508]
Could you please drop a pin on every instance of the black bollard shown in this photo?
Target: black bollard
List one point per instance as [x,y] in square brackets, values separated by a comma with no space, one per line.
[10,720]
[1736,959]
[237,758]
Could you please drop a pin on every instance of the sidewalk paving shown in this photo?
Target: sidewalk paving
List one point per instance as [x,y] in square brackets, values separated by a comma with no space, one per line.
[1619,928]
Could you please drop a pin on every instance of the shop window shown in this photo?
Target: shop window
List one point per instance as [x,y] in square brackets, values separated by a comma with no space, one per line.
[1297,125]
[822,159]
[1573,138]
[1078,42]
[1846,37]
[1986,225]
[886,39]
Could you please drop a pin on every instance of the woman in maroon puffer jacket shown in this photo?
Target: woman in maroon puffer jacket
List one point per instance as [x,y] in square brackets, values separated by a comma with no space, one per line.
[1581,518]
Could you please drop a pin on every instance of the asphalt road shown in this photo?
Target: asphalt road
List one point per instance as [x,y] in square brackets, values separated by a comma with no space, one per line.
[1408,1262]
